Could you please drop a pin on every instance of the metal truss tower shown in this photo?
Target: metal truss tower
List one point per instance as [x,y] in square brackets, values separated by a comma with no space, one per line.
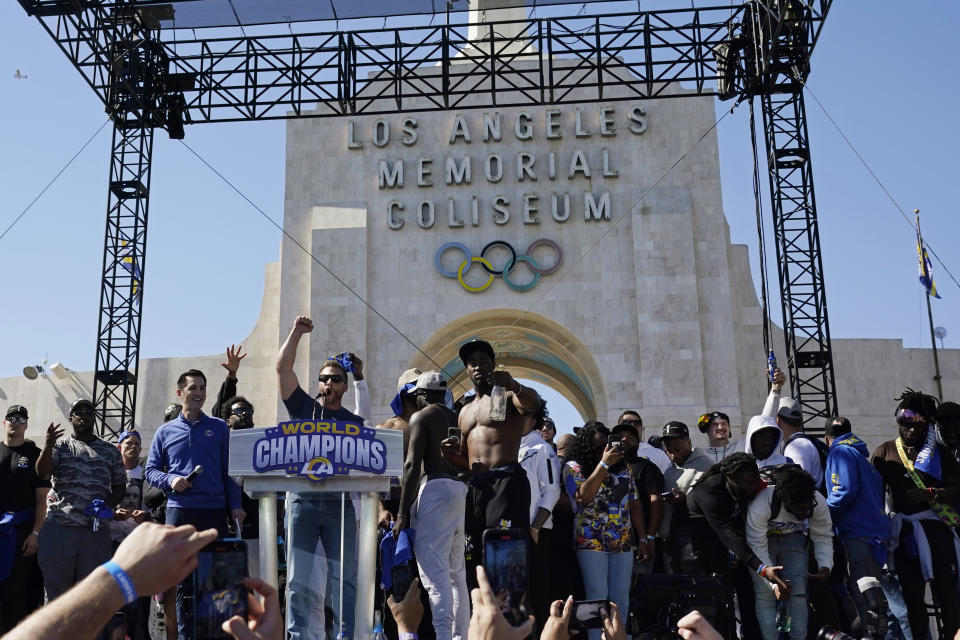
[783,42]
[147,78]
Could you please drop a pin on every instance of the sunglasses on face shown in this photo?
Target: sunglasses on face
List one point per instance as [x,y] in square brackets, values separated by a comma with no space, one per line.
[239,411]
[337,378]
[909,417]
[17,420]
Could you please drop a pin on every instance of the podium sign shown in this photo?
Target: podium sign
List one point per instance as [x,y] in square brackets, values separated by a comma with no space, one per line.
[320,457]
[310,456]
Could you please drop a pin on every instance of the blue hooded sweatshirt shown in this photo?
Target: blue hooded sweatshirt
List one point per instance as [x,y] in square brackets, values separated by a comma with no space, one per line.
[854,491]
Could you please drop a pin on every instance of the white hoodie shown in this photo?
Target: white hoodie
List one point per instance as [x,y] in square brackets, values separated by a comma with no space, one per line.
[759,423]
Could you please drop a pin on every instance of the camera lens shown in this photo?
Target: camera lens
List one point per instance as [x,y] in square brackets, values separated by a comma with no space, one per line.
[829,633]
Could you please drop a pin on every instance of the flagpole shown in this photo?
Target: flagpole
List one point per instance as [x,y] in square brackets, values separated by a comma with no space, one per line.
[933,342]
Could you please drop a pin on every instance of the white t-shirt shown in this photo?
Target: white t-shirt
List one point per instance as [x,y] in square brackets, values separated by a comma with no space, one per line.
[804,453]
[654,455]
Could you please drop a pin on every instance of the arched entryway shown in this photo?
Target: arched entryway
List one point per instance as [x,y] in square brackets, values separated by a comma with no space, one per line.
[529,345]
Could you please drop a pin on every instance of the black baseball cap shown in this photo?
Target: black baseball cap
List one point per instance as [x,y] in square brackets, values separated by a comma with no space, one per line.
[626,426]
[17,410]
[82,402]
[675,429]
[474,345]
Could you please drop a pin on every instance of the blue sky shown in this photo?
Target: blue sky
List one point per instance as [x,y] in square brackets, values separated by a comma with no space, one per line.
[883,73]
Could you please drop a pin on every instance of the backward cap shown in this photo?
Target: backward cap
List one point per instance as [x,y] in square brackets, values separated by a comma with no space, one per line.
[431,381]
[790,409]
[408,376]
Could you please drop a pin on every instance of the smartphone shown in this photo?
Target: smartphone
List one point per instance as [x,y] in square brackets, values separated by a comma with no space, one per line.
[586,614]
[401,577]
[613,441]
[454,432]
[506,561]
[218,593]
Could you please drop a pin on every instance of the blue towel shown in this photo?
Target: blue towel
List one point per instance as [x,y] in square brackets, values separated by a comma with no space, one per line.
[98,509]
[8,538]
[345,361]
[394,551]
[397,403]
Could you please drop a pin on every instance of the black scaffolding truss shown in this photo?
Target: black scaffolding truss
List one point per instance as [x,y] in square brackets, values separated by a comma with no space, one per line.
[147,77]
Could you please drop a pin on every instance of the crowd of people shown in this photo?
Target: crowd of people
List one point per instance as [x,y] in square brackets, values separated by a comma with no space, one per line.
[795,532]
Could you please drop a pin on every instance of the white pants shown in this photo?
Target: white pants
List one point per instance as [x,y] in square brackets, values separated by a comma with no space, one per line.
[437,515]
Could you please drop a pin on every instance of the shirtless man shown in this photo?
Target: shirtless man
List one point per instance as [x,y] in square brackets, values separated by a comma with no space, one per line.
[435,508]
[499,495]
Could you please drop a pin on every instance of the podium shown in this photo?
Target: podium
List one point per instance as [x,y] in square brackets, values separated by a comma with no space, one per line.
[322,459]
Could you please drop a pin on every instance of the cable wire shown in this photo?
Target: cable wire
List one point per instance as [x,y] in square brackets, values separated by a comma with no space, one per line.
[54,179]
[874,175]
[758,205]
[315,258]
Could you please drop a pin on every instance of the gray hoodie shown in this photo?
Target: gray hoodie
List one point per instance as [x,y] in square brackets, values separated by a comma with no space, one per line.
[683,478]
[759,423]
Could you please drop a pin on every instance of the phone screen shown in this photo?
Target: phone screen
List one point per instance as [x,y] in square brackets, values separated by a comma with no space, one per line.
[401,576]
[218,593]
[505,561]
[586,613]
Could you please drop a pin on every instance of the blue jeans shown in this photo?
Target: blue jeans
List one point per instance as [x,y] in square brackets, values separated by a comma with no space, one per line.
[606,576]
[314,565]
[201,519]
[898,621]
[790,551]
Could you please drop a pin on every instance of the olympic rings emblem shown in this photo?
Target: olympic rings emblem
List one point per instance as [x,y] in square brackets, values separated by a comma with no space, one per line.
[494,272]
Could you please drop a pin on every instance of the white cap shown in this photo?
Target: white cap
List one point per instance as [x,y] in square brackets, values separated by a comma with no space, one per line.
[431,381]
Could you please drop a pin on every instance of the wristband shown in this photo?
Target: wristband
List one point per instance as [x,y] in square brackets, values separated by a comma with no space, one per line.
[761,569]
[36,533]
[123,581]
[409,636]
[651,538]
[605,465]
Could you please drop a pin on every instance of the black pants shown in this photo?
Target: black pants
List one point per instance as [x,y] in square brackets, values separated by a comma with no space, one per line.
[497,499]
[566,579]
[22,592]
[943,585]
[541,567]
[714,558]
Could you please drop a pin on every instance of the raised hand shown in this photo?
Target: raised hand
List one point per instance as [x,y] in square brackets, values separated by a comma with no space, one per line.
[53,434]
[233,361]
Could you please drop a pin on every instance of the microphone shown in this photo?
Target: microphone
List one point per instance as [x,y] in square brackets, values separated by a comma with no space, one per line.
[197,470]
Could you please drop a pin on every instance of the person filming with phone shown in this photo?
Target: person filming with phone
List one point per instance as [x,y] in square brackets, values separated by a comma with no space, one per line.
[604,495]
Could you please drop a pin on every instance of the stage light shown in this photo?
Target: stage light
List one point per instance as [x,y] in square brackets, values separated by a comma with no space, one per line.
[726,56]
[30,372]
[59,370]
[174,108]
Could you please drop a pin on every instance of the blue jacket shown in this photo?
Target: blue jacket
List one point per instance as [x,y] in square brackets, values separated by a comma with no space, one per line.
[178,447]
[854,491]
